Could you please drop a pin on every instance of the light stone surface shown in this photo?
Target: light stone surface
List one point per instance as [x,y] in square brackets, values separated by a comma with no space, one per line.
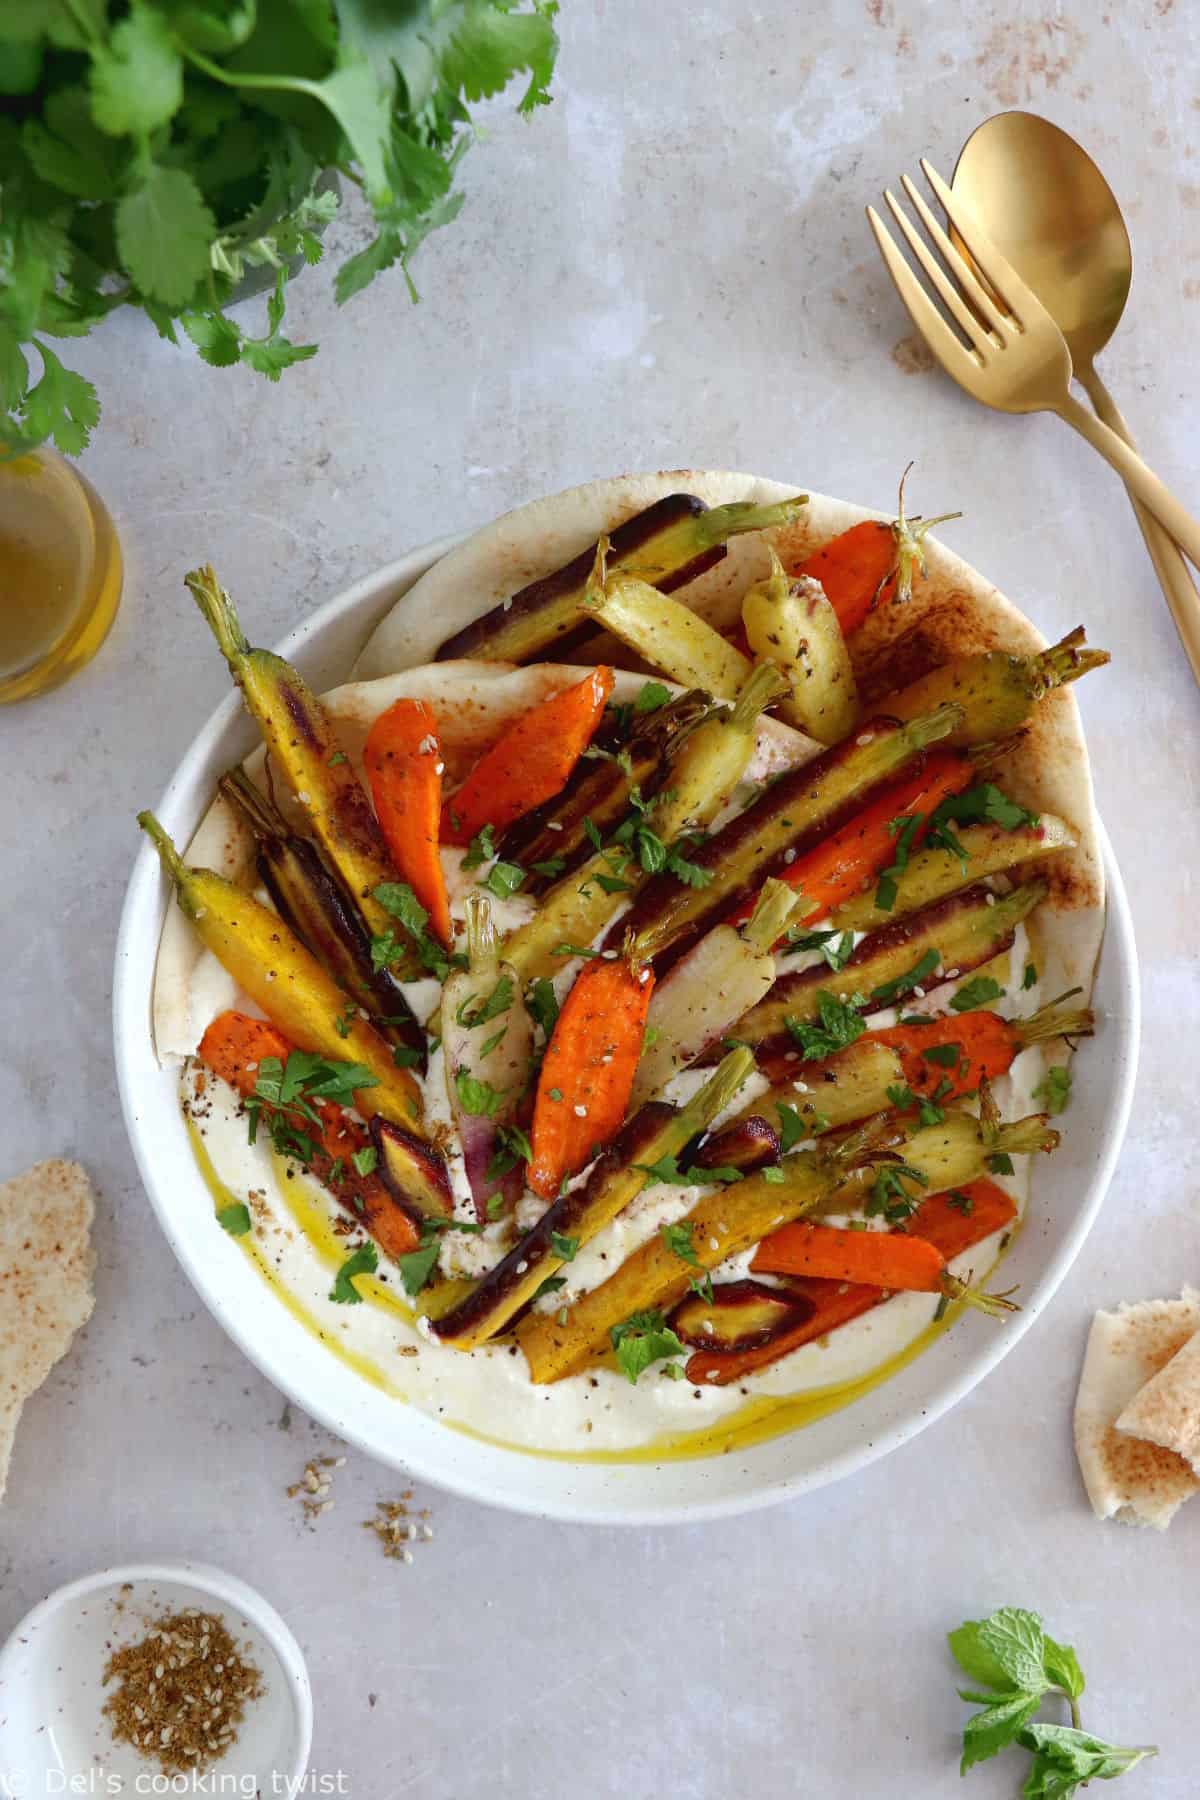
[670,265]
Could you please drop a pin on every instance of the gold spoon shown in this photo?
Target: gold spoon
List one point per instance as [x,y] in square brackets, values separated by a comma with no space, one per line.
[1050,211]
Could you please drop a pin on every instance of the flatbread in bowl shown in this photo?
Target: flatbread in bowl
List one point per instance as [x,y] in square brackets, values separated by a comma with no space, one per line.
[477,1378]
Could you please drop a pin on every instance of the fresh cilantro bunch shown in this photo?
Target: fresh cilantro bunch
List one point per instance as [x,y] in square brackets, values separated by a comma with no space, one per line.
[153,151]
[1016,1665]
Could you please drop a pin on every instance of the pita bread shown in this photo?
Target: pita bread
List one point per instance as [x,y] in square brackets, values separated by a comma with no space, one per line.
[1127,1478]
[952,611]
[45,1282]
[1167,1410]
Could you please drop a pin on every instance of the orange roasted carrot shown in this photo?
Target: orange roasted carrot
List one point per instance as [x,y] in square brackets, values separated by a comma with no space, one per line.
[872,562]
[530,762]
[986,1045]
[234,1047]
[951,1222]
[883,1259]
[851,857]
[587,1072]
[403,761]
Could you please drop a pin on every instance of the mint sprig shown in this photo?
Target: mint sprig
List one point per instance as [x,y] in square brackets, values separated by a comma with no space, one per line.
[1017,1666]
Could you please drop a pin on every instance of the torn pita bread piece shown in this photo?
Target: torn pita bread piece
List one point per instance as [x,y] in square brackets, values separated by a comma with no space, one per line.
[46,1295]
[1167,1410]
[1130,1478]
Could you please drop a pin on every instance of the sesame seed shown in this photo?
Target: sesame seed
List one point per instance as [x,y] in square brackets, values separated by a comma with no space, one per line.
[581,1112]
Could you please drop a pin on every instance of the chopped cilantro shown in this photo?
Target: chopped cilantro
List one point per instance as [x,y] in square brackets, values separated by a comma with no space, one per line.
[551,868]
[573,950]
[774,1174]
[551,1285]
[565,1248]
[961,1202]
[791,1127]
[1029,978]
[494,1041]
[904,829]
[542,1003]
[477,1097]
[678,1239]
[1001,1163]
[983,802]
[416,1268]
[1054,1089]
[975,993]
[339,756]
[944,1055]
[592,832]
[364,1160]
[363,1261]
[405,1057]
[235,1219]
[345,1019]
[612,884]
[481,849]
[503,879]
[512,1147]
[652,696]
[889,991]
[398,899]
[554,1093]
[702,1285]
[497,1002]
[889,1195]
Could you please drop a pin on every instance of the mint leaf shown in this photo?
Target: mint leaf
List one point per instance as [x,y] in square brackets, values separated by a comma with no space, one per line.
[976,1658]
[1015,1640]
[1065,1757]
[364,1261]
[235,1219]
[840,1025]
[137,78]
[642,1339]
[164,229]
[990,1731]
[1062,1667]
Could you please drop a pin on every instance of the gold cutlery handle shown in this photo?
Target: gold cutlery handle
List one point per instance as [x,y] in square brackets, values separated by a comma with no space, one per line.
[1137,476]
[1174,576]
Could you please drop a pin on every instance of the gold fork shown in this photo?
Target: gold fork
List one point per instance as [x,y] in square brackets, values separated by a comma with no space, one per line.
[1015,358]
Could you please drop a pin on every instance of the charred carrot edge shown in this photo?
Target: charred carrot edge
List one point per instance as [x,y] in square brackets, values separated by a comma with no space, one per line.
[863,847]
[882,1259]
[588,1069]
[403,762]
[952,1222]
[233,1048]
[530,761]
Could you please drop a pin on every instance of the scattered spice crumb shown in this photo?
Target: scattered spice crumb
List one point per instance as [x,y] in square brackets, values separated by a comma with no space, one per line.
[314,1486]
[398,1526]
[183,1691]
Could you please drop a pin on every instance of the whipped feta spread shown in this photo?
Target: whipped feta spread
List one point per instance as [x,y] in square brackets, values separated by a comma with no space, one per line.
[488,1390]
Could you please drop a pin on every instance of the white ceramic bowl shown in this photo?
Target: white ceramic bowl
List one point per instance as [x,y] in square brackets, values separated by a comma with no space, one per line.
[1069,1191]
[54,1738]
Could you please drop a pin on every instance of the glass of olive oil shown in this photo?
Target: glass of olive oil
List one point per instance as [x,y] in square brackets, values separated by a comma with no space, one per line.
[60,573]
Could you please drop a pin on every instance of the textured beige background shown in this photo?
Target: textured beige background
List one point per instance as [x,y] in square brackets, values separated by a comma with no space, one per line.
[669,265]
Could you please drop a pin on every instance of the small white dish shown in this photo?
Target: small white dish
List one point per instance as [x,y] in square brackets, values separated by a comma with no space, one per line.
[54,1737]
[1069,1193]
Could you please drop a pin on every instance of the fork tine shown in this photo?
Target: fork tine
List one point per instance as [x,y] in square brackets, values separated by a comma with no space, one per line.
[945,287]
[965,275]
[950,350]
[996,269]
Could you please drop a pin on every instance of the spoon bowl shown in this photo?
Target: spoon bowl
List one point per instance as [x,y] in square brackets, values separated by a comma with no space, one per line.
[1052,214]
